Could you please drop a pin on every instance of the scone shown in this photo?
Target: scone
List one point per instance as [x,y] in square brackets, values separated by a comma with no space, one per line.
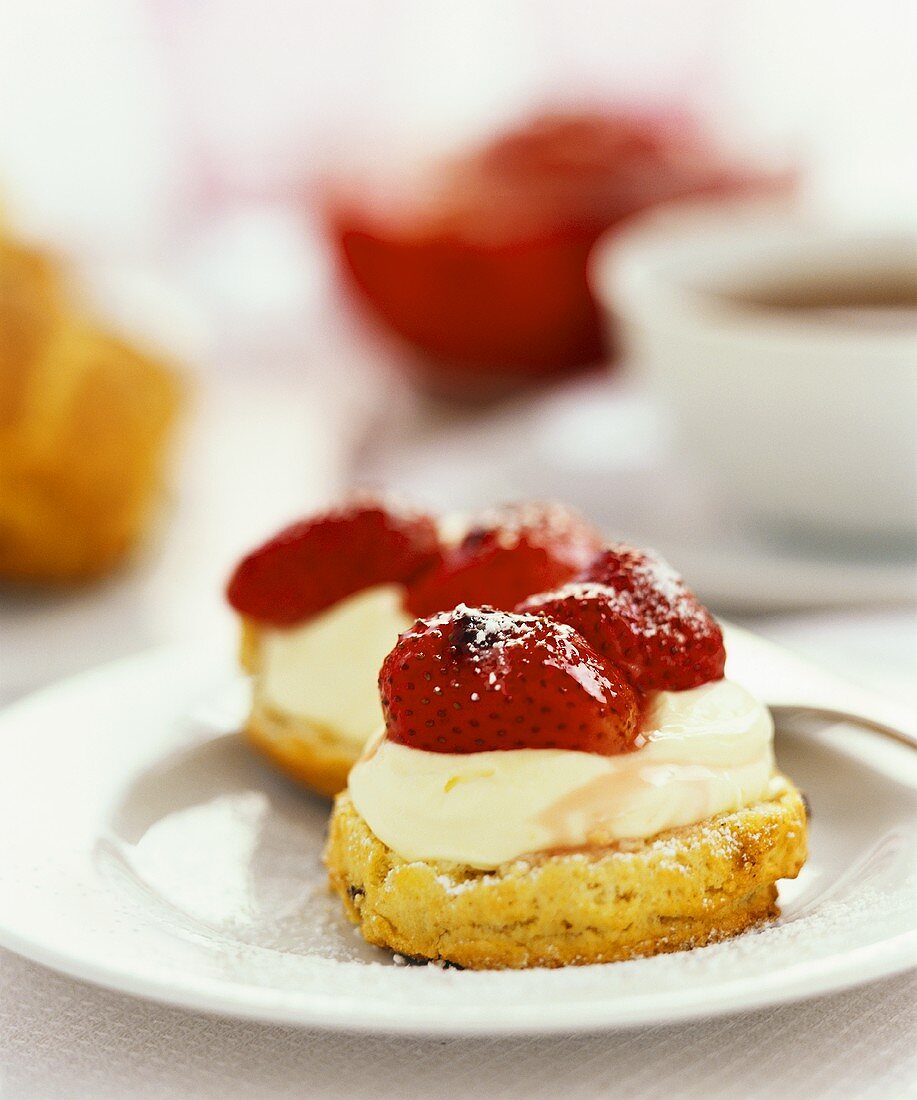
[573,782]
[323,602]
[683,888]
[85,424]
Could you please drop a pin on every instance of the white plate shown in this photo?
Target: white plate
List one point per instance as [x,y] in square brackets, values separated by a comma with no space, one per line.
[147,850]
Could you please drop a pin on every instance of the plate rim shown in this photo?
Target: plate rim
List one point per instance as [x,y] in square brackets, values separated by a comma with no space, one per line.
[885,959]
[804,980]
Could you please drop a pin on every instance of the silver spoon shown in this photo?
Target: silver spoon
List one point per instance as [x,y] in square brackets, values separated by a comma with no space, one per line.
[789,711]
[793,688]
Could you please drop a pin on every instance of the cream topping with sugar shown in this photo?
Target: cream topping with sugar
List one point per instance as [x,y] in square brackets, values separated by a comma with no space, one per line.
[325,670]
[709,750]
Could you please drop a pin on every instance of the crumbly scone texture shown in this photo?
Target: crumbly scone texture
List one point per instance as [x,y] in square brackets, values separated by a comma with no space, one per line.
[683,888]
[311,754]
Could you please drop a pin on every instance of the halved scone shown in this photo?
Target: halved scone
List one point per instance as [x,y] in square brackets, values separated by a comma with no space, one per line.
[312,755]
[683,888]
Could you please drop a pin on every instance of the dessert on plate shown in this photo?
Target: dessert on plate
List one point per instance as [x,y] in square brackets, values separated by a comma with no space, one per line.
[570,782]
[324,601]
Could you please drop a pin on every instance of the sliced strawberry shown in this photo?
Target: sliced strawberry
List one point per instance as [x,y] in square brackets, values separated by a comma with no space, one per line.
[636,611]
[313,564]
[476,679]
[506,555]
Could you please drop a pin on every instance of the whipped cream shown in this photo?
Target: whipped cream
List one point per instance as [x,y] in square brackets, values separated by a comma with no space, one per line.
[708,751]
[325,671]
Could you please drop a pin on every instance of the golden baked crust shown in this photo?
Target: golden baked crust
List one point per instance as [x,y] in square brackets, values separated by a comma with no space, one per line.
[683,888]
[85,421]
[250,647]
[30,308]
[311,754]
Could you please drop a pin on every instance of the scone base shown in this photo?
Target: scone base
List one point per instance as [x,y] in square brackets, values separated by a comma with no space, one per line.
[682,889]
[310,755]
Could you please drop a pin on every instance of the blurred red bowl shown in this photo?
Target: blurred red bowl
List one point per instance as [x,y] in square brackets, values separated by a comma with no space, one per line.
[480,262]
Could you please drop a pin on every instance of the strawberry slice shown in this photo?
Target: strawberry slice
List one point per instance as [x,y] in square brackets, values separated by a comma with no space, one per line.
[316,562]
[476,679]
[636,611]
[506,555]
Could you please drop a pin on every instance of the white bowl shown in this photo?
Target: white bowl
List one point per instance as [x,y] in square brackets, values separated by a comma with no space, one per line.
[803,418]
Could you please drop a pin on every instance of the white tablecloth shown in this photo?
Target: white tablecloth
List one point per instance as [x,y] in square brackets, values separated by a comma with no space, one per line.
[62,1039]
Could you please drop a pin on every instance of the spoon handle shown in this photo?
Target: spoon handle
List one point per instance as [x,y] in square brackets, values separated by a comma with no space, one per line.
[830,714]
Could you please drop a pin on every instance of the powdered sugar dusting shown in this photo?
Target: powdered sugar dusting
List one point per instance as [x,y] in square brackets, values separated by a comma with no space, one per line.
[485,628]
[479,629]
[668,618]
[540,522]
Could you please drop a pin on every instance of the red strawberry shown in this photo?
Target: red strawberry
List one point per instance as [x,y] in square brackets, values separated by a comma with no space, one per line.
[505,556]
[313,564]
[476,679]
[636,611]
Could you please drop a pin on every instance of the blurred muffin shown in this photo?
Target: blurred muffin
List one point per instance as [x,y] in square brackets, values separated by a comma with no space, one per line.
[29,306]
[84,422]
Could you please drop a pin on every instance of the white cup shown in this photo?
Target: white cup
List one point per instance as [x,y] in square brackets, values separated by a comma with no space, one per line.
[786,353]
